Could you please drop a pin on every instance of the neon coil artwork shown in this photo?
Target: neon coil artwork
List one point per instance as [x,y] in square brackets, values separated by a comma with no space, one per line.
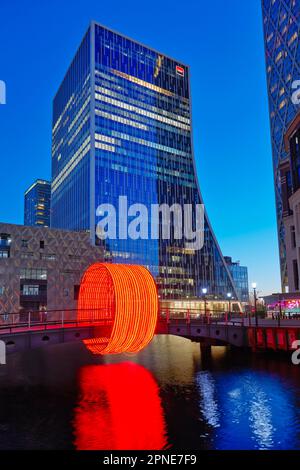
[125,296]
[119,408]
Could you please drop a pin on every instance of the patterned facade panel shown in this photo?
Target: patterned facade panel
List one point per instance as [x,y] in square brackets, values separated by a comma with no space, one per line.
[56,258]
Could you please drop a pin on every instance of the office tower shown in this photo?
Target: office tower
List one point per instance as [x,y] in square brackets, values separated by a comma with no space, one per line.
[240,278]
[281,22]
[122,127]
[37,204]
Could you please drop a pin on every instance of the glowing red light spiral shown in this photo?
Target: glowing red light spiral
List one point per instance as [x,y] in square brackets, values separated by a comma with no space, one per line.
[125,294]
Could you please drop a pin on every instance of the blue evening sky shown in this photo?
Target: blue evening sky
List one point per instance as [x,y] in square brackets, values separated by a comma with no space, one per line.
[222,41]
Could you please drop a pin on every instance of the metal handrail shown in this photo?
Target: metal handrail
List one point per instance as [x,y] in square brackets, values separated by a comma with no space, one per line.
[12,327]
[41,319]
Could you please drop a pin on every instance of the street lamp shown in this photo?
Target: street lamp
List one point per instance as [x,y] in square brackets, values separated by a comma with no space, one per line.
[229,296]
[280,310]
[254,286]
[204,292]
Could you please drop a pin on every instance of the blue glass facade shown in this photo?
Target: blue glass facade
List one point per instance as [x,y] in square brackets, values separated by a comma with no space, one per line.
[240,278]
[122,127]
[281,20]
[37,203]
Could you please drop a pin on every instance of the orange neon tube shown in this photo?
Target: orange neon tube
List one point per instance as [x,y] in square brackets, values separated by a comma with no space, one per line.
[124,294]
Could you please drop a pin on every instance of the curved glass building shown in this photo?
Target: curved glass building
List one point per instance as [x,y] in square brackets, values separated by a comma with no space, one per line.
[122,127]
[281,23]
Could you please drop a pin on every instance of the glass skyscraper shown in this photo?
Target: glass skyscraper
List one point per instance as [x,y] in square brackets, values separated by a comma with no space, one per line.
[281,20]
[122,127]
[37,202]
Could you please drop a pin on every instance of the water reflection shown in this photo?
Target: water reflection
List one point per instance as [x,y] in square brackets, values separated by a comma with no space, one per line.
[119,408]
[168,395]
[208,401]
[248,410]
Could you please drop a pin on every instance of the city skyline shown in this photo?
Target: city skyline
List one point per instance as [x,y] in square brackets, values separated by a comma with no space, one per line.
[230,231]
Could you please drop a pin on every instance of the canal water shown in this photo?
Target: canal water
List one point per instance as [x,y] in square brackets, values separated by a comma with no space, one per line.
[165,397]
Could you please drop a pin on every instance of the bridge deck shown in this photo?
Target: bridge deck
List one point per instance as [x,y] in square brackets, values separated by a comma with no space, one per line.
[22,336]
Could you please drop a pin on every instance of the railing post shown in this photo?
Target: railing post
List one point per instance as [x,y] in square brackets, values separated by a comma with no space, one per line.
[29,320]
[168,315]
[62,318]
[188,317]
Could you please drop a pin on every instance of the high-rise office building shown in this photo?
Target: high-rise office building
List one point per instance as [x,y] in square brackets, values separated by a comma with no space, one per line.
[281,20]
[122,127]
[240,278]
[37,204]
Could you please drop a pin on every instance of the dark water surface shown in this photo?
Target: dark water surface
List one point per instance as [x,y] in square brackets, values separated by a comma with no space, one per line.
[167,396]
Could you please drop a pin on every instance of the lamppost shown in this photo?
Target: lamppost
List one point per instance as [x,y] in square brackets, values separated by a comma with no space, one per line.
[280,310]
[254,285]
[229,296]
[204,292]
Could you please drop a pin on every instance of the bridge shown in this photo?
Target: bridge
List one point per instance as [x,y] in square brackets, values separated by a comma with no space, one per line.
[39,329]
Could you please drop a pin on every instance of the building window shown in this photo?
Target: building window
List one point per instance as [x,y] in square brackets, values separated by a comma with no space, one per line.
[24,243]
[296,274]
[27,255]
[76,292]
[297,214]
[42,244]
[5,239]
[37,274]
[30,290]
[2,290]
[48,257]
[5,242]
[293,236]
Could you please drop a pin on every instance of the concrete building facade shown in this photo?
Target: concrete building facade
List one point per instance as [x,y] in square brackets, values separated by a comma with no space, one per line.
[292,202]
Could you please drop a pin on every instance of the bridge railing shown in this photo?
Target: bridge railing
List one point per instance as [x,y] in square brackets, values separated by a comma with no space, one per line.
[68,317]
[201,315]
[45,319]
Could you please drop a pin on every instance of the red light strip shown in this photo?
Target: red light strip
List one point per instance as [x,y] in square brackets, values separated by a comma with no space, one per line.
[127,294]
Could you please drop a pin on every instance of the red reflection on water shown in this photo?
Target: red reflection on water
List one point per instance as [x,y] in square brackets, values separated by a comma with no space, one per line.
[119,409]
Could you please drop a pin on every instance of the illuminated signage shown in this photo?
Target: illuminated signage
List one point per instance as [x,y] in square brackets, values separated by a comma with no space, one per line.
[180,70]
